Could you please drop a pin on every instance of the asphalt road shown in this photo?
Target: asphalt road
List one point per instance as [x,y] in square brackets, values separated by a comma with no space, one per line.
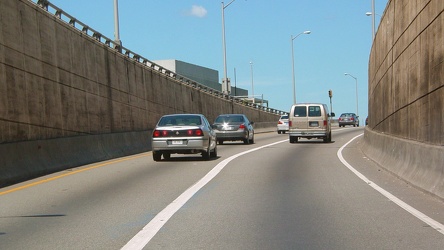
[267,195]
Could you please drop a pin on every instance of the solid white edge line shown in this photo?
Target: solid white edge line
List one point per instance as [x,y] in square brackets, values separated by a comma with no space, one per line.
[429,221]
[143,237]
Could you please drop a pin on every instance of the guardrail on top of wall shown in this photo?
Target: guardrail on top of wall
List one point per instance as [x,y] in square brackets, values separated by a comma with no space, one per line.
[72,21]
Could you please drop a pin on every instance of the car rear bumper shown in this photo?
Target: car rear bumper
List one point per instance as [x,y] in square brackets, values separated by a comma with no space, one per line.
[282,127]
[308,134]
[180,145]
[230,135]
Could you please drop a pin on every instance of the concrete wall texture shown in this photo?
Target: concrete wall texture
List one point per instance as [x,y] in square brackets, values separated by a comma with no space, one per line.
[406,93]
[67,99]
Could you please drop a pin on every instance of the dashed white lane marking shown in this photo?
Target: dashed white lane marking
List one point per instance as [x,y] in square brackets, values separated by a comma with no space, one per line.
[142,238]
[431,222]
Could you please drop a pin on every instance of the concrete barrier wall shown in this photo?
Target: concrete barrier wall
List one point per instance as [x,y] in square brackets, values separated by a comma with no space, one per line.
[68,99]
[406,93]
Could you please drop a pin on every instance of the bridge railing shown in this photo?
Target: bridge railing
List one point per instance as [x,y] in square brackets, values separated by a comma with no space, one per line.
[62,15]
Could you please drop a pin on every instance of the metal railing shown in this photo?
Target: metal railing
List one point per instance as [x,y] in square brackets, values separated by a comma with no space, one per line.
[73,22]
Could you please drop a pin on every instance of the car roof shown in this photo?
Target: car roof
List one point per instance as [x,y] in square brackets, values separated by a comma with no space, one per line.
[182,115]
[231,115]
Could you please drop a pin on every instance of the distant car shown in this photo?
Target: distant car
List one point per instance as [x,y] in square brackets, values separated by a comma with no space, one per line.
[183,134]
[282,125]
[234,127]
[348,119]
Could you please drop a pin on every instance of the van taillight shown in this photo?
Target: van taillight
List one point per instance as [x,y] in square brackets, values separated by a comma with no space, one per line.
[325,123]
[289,123]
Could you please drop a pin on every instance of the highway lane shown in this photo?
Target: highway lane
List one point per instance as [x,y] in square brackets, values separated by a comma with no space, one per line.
[285,196]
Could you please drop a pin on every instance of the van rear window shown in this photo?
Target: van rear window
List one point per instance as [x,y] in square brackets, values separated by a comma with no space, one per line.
[300,111]
[313,111]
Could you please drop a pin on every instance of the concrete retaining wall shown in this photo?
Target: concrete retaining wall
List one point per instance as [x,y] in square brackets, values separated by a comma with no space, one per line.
[68,99]
[420,164]
[406,93]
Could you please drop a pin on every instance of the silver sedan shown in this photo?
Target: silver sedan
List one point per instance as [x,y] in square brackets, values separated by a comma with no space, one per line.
[234,127]
[183,134]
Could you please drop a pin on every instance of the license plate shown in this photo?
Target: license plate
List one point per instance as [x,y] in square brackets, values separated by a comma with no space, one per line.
[314,124]
[177,142]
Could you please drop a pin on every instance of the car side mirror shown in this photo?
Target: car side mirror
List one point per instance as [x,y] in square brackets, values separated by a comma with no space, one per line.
[251,123]
[332,114]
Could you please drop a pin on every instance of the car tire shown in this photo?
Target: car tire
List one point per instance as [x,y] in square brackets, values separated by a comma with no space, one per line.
[206,155]
[157,156]
[293,139]
[247,140]
[327,139]
[221,142]
[167,156]
[279,132]
[214,152]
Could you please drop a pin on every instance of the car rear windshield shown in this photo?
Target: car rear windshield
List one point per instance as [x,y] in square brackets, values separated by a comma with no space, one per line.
[230,119]
[284,117]
[313,111]
[180,121]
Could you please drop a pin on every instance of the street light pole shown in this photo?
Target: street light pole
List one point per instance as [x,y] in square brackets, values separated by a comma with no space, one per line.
[356,81]
[116,25]
[225,85]
[292,60]
[252,85]
[373,19]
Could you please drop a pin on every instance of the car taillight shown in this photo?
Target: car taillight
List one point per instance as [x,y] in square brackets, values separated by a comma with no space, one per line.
[325,123]
[289,123]
[279,122]
[195,132]
[160,133]
[352,119]
[339,119]
[242,126]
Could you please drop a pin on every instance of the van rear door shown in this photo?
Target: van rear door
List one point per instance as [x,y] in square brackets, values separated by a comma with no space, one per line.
[300,119]
[315,119]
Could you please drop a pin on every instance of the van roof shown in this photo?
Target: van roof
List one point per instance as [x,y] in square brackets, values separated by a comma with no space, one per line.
[308,103]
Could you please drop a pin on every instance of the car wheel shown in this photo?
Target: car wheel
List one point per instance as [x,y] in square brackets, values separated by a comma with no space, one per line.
[221,142]
[207,154]
[293,139]
[247,141]
[279,132]
[166,155]
[156,156]
[214,153]
[327,138]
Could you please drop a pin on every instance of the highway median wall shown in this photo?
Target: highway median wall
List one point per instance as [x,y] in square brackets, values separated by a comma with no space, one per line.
[68,97]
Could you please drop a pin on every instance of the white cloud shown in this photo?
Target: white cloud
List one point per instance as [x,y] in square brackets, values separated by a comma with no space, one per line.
[198,11]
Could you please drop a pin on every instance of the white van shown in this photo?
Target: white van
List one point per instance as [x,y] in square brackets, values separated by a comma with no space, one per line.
[309,120]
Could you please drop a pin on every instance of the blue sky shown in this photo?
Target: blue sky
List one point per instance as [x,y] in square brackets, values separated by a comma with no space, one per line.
[257,31]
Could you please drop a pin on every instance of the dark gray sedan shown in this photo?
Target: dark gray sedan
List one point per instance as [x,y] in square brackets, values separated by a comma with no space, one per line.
[234,127]
[183,134]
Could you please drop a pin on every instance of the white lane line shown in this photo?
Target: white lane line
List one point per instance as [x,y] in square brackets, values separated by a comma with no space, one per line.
[141,239]
[429,221]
